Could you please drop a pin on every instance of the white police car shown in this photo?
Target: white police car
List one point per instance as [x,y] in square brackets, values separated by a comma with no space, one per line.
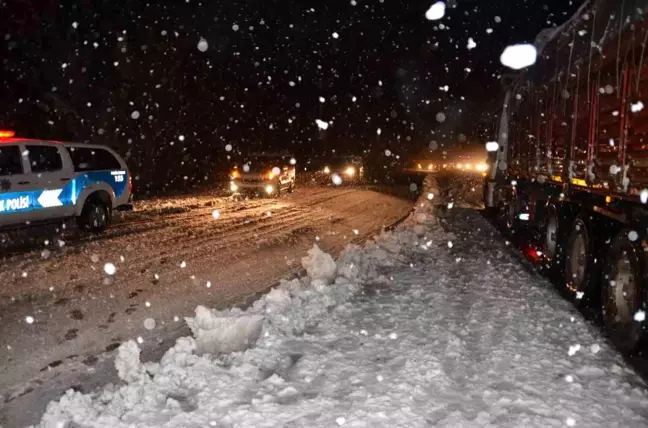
[46,181]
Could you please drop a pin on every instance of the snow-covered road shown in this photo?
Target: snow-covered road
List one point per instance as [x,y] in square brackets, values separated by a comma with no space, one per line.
[170,255]
[436,324]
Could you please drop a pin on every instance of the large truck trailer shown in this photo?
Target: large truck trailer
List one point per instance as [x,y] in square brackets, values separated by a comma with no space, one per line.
[572,161]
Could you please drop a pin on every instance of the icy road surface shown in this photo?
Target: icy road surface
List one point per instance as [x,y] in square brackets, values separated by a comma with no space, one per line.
[438,324]
[170,255]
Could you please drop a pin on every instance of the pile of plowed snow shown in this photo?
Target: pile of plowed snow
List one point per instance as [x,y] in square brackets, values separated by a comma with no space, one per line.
[205,380]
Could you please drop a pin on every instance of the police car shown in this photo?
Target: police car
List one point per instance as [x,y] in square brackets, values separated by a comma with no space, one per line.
[47,181]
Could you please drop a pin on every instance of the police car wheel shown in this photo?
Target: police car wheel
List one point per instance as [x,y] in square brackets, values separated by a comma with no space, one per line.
[95,216]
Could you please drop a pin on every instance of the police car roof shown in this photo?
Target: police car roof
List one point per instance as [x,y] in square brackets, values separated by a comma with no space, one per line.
[14,140]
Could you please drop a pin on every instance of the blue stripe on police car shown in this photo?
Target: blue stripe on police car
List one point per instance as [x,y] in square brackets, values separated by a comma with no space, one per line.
[19,202]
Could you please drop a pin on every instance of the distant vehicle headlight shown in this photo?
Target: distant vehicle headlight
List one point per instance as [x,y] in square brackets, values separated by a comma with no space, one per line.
[482,167]
[350,171]
[233,187]
[430,167]
[269,189]
[460,166]
[468,166]
[327,170]
[235,174]
[419,166]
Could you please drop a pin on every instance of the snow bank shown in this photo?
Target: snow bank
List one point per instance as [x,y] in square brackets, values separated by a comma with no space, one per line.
[201,379]
[408,333]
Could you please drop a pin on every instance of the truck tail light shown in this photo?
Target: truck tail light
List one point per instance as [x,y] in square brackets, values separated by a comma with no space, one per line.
[130,184]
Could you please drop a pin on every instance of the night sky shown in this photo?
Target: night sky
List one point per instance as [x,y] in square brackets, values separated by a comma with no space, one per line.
[130,74]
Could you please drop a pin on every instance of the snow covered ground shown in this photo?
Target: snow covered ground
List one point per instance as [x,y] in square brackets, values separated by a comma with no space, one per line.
[434,324]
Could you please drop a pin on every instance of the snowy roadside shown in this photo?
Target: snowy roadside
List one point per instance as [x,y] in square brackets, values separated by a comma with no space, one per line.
[419,327]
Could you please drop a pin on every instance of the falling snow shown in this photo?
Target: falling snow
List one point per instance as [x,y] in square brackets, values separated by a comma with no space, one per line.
[203,45]
[436,11]
[519,56]
[110,269]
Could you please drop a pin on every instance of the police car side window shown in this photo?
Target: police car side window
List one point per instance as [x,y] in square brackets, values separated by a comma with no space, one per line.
[44,159]
[92,159]
[10,160]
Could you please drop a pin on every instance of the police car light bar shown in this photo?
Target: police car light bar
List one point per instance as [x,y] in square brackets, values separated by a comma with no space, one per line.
[6,134]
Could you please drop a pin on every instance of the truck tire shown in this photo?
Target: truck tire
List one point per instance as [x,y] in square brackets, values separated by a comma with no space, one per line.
[581,266]
[552,252]
[623,292]
[95,216]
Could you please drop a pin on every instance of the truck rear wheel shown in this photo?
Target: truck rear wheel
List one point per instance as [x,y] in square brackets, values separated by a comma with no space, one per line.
[95,216]
[580,263]
[622,293]
[551,251]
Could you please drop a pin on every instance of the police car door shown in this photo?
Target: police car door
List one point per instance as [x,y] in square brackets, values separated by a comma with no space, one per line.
[15,187]
[52,172]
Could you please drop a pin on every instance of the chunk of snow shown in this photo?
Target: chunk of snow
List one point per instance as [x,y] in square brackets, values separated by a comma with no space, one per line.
[319,265]
[640,316]
[440,117]
[519,56]
[637,107]
[135,114]
[128,363]
[336,35]
[471,44]
[216,214]
[633,236]
[336,179]
[571,422]
[29,319]
[436,11]
[222,333]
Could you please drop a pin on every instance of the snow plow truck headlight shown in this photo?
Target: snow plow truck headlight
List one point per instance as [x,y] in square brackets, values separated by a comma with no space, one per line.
[269,189]
[233,187]
[350,171]
[482,167]
[327,170]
